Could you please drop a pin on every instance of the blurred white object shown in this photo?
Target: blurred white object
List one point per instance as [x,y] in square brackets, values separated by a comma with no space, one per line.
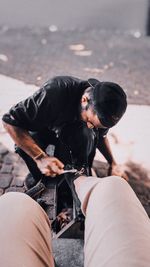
[3,57]
[53,28]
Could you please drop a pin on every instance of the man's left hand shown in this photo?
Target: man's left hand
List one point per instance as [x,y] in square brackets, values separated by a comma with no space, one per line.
[118,170]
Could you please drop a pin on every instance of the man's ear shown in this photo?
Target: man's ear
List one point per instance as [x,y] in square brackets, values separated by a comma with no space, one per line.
[84,99]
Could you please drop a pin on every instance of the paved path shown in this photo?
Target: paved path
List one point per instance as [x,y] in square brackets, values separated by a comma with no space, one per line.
[36,55]
[12,171]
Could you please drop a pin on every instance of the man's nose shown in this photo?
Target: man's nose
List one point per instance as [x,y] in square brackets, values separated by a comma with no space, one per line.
[90,125]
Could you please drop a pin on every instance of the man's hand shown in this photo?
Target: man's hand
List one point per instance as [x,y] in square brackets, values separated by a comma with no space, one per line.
[118,170]
[50,166]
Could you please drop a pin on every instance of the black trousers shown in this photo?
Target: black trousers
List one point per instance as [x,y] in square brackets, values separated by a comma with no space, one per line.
[75,146]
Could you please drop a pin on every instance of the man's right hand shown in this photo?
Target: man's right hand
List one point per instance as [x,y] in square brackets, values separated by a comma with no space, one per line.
[50,166]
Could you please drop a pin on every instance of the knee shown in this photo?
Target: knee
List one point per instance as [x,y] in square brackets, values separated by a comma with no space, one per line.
[14,198]
[114,182]
[16,203]
[112,187]
[19,209]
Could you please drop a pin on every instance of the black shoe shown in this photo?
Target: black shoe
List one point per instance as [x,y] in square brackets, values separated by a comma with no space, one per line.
[29,181]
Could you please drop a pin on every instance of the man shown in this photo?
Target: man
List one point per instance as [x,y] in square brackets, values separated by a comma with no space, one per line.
[72,114]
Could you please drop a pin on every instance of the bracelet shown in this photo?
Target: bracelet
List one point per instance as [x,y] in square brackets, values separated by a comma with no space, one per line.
[40,155]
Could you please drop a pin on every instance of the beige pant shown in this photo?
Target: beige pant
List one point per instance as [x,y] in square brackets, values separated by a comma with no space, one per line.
[117,229]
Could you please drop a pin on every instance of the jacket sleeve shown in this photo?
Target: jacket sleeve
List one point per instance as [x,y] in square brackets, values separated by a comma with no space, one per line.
[30,114]
[102,132]
[40,110]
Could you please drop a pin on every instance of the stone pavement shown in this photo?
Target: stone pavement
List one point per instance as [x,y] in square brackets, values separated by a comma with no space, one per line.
[35,55]
[12,171]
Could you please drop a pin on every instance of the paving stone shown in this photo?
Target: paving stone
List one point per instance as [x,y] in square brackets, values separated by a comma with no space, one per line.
[20,169]
[18,181]
[3,149]
[15,189]
[68,252]
[101,168]
[6,168]
[1,191]
[1,158]
[10,158]
[5,179]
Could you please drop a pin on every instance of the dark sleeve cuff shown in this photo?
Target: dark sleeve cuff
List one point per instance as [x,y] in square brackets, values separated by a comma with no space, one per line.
[8,118]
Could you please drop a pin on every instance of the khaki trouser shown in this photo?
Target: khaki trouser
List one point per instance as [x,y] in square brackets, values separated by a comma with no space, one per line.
[117,228]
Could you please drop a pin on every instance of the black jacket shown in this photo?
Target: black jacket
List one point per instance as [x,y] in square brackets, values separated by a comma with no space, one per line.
[52,106]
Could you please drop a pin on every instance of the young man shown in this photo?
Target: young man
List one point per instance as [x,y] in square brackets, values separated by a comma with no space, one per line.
[72,114]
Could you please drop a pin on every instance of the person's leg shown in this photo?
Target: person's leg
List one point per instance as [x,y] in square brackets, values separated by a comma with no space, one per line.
[117,228]
[25,238]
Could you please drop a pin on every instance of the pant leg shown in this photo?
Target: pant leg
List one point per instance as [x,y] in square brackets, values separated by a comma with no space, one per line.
[117,228]
[25,238]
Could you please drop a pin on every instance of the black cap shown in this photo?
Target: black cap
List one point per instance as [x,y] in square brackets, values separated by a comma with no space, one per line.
[110,101]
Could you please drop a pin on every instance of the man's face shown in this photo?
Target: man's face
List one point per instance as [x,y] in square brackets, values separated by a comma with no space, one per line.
[91,119]
[89,116]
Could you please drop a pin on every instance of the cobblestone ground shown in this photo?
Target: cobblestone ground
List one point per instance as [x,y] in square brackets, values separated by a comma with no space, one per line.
[12,171]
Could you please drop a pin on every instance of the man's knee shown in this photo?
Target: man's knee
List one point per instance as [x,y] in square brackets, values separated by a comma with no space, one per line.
[113,184]
[15,200]
[19,208]
[112,188]
[16,204]
[13,197]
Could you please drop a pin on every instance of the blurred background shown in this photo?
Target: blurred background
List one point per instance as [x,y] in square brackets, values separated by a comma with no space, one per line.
[118,15]
[103,39]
